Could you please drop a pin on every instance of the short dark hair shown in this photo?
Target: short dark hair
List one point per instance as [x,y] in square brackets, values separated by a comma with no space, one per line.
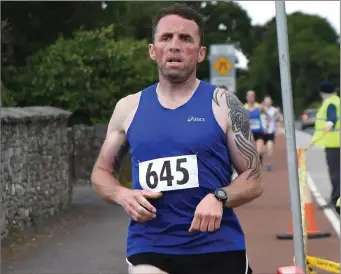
[183,11]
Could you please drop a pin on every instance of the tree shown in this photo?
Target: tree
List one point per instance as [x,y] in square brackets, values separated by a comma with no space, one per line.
[225,22]
[314,56]
[87,74]
[36,25]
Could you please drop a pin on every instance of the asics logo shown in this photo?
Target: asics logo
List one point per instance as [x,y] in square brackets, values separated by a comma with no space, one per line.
[195,119]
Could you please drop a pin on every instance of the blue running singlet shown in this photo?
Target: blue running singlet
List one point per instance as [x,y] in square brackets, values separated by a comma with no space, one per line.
[256,119]
[182,153]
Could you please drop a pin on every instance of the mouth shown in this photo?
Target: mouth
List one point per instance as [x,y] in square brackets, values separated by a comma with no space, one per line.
[174,60]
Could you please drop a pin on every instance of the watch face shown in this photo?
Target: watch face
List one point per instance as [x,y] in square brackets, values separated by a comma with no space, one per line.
[221,193]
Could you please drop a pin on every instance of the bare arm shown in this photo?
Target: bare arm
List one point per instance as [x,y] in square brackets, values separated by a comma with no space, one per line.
[279,116]
[248,185]
[105,172]
[106,169]
[263,109]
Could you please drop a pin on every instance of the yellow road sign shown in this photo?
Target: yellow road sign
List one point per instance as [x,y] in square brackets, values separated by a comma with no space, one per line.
[222,66]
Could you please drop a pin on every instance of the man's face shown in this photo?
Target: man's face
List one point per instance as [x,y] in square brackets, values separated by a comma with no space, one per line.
[251,96]
[176,48]
[267,101]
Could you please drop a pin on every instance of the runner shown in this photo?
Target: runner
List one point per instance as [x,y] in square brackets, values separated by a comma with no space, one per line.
[182,147]
[270,135]
[258,128]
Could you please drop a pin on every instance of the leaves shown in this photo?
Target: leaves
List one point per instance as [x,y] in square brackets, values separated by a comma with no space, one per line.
[314,56]
[86,75]
[102,62]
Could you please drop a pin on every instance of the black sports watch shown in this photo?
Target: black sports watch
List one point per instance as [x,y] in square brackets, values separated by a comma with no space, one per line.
[221,195]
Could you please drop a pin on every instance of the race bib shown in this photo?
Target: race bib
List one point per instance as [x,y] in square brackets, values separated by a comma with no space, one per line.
[170,173]
[254,124]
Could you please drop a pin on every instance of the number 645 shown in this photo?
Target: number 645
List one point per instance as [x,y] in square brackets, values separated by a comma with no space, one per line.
[166,174]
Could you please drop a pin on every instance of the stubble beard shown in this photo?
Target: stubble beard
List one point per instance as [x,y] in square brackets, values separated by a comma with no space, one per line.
[176,76]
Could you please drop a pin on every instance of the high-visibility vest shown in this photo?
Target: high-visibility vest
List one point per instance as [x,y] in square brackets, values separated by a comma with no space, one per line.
[332,138]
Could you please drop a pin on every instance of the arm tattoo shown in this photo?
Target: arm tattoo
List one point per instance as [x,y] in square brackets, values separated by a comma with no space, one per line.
[241,129]
[118,158]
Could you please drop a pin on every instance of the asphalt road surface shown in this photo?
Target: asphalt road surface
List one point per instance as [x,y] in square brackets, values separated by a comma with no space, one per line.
[309,130]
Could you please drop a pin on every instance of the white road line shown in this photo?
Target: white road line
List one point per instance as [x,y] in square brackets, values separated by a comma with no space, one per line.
[328,212]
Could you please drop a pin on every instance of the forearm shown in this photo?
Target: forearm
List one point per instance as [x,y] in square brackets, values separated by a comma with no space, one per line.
[243,190]
[106,185]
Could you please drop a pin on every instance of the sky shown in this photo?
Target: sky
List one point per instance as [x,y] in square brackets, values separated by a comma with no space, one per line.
[262,11]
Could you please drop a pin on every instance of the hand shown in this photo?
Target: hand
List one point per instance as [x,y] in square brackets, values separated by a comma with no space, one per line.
[208,215]
[328,128]
[135,203]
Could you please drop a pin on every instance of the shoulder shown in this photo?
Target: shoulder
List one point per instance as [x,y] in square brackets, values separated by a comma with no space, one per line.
[272,110]
[208,85]
[125,104]
[223,98]
[331,107]
[132,100]
[229,104]
[125,108]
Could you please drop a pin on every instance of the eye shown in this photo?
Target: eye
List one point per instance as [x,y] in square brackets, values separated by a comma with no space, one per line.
[165,37]
[186,38]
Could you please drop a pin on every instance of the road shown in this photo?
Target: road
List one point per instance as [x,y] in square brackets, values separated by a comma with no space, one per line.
[90,237]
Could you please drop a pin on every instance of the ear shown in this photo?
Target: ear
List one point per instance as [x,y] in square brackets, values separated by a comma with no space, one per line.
[202,54]
[152,52]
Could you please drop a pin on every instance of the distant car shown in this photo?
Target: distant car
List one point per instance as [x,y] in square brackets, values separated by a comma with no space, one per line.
[308,118]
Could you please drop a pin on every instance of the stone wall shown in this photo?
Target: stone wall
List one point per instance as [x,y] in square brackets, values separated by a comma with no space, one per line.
[35,174]
[41,160]
[87,142]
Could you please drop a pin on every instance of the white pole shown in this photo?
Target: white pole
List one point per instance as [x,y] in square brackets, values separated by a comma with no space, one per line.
[295,201]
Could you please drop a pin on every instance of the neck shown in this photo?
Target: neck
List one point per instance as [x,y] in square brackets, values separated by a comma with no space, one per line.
[169,89]
[327,95]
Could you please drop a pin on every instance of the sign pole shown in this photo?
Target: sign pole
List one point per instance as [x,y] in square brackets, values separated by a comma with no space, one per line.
[295,201]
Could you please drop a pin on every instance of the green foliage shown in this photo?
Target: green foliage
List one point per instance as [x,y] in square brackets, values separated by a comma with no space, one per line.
[83,66]
[37,24]
[131,19]
[315,105]
[314,56]
[86,75]
[7,99]
[237,29]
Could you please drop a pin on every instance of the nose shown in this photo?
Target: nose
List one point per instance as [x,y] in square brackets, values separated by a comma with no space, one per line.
[175,45]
